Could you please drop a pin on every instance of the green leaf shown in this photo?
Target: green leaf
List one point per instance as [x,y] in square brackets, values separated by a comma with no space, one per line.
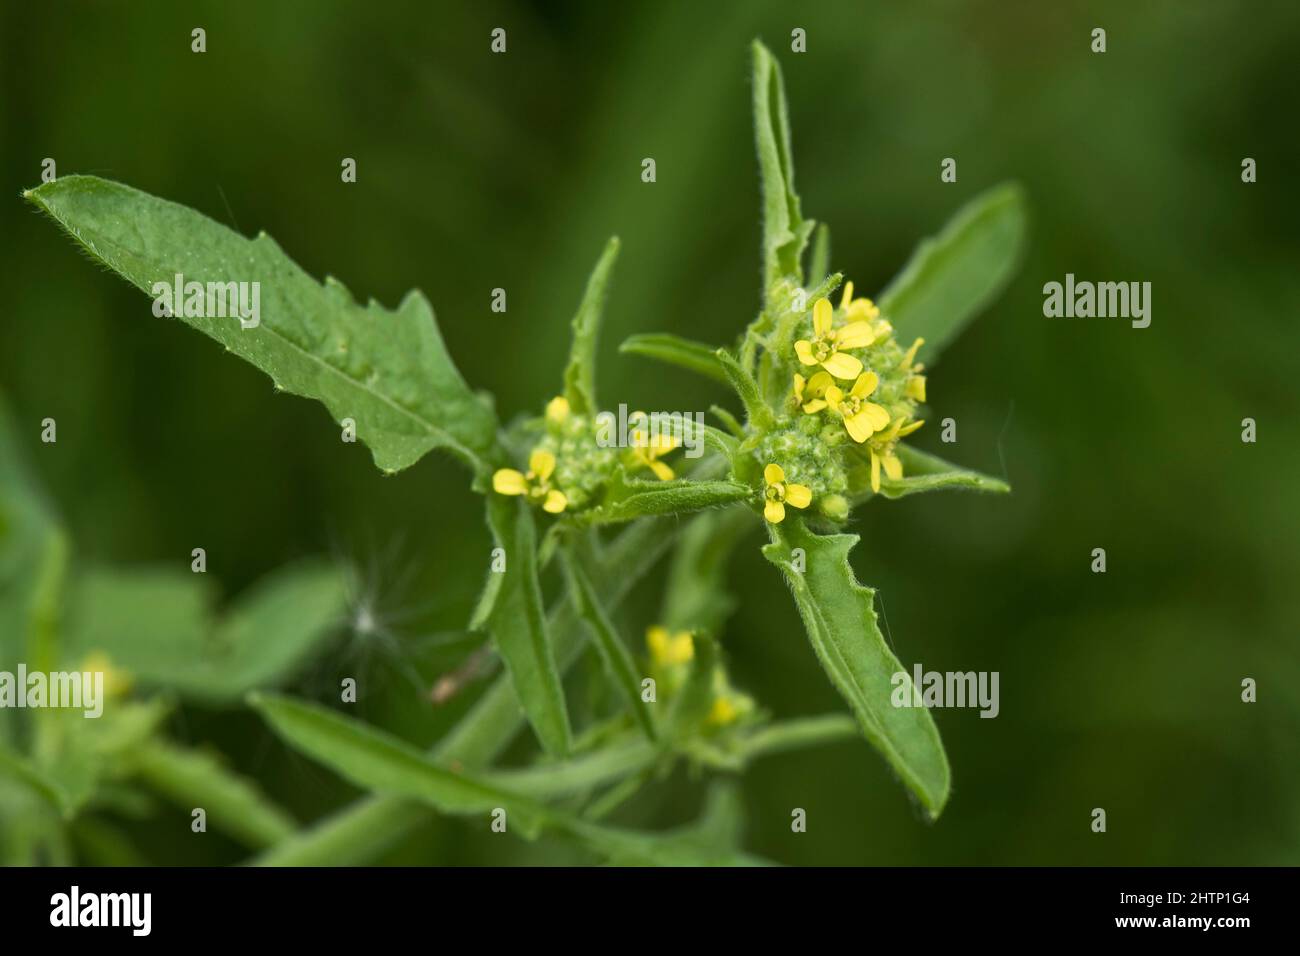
[760,415]
[15,766]
[512,612]
[840,618]
[693,356]
[264,637]
[820,263]
[952,277]
[626,499]
[925,472]
[388,371]
[785,232]
[617,658]
[234,804]
[378,761]
[577,775]
[580,375]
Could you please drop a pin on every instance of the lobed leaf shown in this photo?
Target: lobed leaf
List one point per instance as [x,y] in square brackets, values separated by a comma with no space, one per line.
[388,371]
[785,231]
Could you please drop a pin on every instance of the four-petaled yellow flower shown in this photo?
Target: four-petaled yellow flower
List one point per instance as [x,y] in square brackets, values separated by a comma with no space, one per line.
[861,417]
[779,493]
[882,452]
[811,394]
[536,485]
[827,342]
[668,649]
[647,449]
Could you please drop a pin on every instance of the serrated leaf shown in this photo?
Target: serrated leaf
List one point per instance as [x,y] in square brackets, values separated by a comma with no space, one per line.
[953,276]
[626,499]
[840,617]
[675,350]
[580,374]
[614,653]
[785,231]
[512,612]
[388,371]
[234,804]
[157,624]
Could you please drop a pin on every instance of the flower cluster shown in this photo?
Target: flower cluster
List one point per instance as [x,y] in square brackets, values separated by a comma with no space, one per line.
[855,389]
[569,464]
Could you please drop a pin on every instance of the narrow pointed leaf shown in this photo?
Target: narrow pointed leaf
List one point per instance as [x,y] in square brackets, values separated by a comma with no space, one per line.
[840,617]
[629,498]
[516,620]
[955,275]
[746,388]
[234,804]
[785,232]
[580,375]
[617,658]
[684,353]
[388,371]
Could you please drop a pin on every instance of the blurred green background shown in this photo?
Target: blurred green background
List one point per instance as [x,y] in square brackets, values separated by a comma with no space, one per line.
[478,171]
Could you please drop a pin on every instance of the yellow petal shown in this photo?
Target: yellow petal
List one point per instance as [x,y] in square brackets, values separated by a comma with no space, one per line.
[663,471]
[557,409]
[862,309]
[798,386]
[679,649]
[875,472]
[555,502]
[800,496]
[723,711]
[865,385]
[909,428]
[822,316]
[541,463]
[893,467]
[843,365]
[876,414]
[834,394]
[911,353]
[916,388]
[804,351]
[819,383]
[855,335]
[848,295]
[773,474]
[774,512]
[859,427]
[507,481]
[662,444]
[815,406]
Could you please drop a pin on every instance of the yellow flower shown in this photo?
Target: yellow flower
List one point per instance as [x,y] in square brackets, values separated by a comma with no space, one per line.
[882,452]
[824,349]
[647,449]
[813,389]
[857,308]
[915,387]
[861,417]
[779,494]
[557,409]
[669,649]
[723,711]
[536,485]
[117,682]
